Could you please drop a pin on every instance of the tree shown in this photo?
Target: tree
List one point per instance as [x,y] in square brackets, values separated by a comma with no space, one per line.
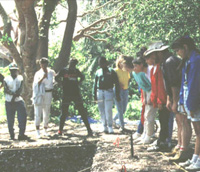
[33,38]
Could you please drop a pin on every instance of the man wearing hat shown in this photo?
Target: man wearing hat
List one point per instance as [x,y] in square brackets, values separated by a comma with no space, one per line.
[13,85]
[155,56]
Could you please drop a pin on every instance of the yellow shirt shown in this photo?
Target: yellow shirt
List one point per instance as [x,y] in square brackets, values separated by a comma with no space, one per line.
[123,77]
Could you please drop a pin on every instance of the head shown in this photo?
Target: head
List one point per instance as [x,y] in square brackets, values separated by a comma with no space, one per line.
[44,63]
[141,52]
[155,53]
[127,63]
[139,64]
[13,69]
[72,63]
[119,62]
[183,46]
[103,63]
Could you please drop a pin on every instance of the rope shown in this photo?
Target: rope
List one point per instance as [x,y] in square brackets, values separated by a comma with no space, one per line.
[181,168]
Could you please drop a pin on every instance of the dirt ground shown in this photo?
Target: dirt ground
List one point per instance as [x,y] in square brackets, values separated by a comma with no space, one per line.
[75,152]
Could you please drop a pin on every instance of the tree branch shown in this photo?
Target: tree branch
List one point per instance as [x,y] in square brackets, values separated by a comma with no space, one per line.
[96,8]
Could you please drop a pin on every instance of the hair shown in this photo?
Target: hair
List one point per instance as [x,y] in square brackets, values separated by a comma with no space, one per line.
[119,60]
[184,40]
[44,60]
[73,60]
[128,61]
[140,60]
[103,59]
[141,52]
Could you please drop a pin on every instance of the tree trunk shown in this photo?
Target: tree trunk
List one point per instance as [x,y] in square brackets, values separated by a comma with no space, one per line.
[28,46]
[48,9]
[68,36]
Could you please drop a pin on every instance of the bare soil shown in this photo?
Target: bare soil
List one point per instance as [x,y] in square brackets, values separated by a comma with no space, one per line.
[75,152]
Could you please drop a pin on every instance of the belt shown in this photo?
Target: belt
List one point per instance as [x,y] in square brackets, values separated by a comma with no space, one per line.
[49,90]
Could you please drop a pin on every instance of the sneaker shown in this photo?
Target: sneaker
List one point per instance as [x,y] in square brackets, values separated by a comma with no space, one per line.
[153,149]
[37,134]
[181,156]
[136,135]
[110,130]
[45,133]
[12,137]
[121,130]
[173,152]
[147,140]
[23,137]
[59,132]
[186,163]
[193,167]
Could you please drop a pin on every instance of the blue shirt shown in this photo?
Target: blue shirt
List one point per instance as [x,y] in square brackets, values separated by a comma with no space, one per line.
[191,77]
[142,81]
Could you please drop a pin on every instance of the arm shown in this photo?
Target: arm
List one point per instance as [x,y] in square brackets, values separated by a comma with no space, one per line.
[117,86]
[7,90]
[58,76]
[193,86]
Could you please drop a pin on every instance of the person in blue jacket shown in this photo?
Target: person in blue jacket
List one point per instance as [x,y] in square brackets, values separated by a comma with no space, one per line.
[190,91]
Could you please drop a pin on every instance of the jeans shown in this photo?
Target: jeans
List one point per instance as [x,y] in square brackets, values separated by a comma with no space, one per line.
[11,109]
[140,127]
[121,106]
[170,127]
[79,105]
[164,124]
[105,104]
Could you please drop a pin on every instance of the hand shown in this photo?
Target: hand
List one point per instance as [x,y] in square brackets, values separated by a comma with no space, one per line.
[149,102]
[169,105]
[174,108]
[192,114]
[144,102]
[45,75]
[160,106]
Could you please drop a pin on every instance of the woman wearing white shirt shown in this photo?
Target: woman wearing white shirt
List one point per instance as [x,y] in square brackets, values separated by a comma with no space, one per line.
[42,95]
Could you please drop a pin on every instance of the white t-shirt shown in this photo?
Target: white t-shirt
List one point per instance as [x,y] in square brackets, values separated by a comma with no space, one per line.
[13,85]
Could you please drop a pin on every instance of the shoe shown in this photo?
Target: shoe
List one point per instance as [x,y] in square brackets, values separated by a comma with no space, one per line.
[37,134]
[12,137]
[45,133]
[23,137]
[193,167]
[136,135]
[121,130]
[110,130]
[153,149]
[147,140]
[186,163]
[155,143]
[181,156]
[59,132]
[173,152]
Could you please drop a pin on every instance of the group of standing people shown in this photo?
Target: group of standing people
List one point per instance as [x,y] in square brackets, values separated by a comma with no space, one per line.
[169,85]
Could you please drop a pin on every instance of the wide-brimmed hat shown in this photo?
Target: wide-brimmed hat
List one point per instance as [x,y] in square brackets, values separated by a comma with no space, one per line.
[13,66]
[157,46]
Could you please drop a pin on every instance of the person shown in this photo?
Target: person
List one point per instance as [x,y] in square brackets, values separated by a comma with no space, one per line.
[142,76]
[42,95]
[123,77]
[71,79]
[190,91]
[1,80]
[158,94]
[105,79]
[13,85]
[172,76]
